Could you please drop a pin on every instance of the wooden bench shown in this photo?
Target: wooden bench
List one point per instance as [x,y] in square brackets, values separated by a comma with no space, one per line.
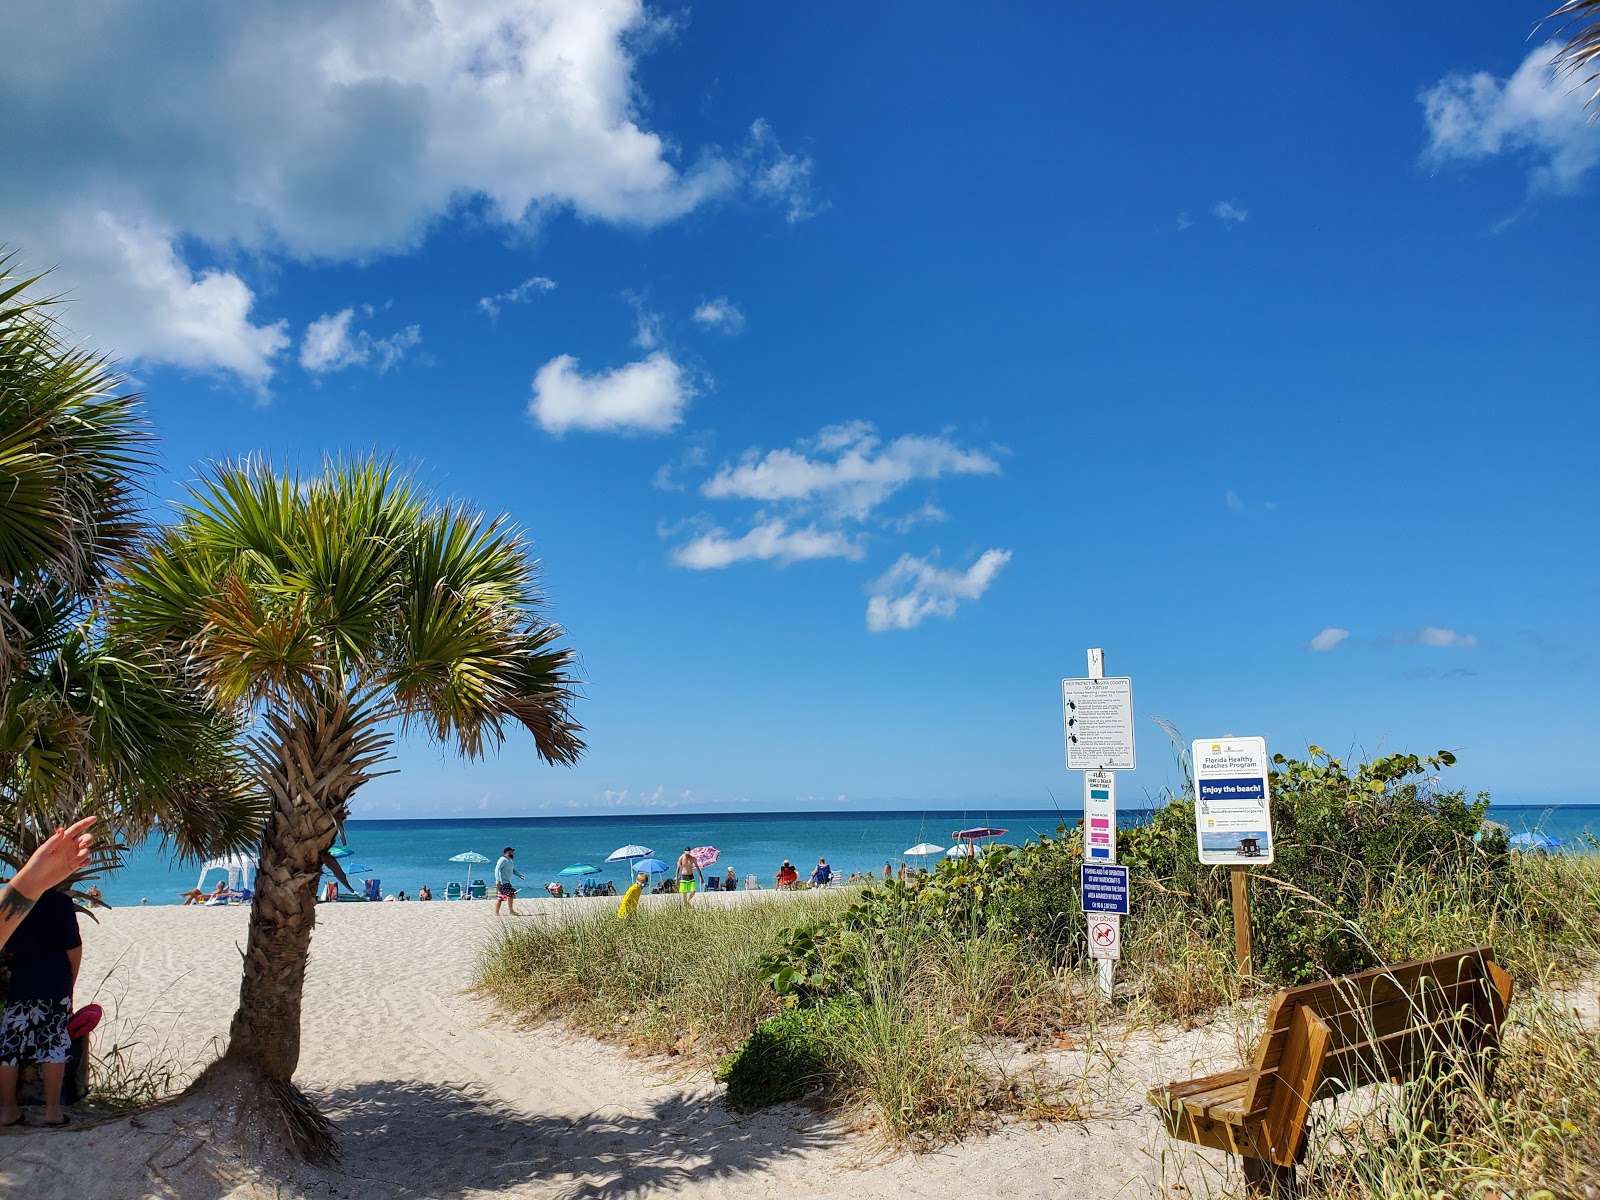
[1393,1024]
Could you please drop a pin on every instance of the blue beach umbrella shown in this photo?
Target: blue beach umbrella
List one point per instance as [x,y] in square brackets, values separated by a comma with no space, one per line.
[651,866]
[468,856]
[579,869]
[340,852]
[1537,841]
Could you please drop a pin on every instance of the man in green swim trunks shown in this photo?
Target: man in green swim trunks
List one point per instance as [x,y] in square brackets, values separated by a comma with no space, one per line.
[688,869]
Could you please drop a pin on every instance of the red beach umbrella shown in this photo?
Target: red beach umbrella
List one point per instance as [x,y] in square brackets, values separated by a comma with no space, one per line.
[705,855]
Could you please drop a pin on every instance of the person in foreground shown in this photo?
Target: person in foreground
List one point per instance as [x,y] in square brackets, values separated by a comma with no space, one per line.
[58,856]
[46,953]
[503,888]
[630,898]
[688,868]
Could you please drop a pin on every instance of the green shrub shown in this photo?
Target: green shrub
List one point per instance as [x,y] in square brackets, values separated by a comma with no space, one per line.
[787,1055]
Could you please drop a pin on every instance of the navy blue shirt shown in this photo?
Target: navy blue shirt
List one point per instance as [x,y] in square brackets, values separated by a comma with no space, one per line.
[38,947]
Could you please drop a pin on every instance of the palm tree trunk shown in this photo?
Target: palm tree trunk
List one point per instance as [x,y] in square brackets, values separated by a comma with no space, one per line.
[310,763]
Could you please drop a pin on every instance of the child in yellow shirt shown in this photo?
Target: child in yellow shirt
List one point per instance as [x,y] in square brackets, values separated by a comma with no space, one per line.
[630,898]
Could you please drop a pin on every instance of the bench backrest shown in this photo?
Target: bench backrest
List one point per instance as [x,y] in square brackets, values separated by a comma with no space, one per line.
[1386,1024]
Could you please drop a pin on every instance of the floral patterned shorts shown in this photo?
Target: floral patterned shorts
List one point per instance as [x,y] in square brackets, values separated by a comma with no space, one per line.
[35,1031]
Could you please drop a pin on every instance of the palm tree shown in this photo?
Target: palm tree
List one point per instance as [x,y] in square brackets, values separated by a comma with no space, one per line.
[88,723]
[337,609]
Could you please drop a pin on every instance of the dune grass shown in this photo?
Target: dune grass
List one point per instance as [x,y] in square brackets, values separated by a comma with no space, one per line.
[668,981]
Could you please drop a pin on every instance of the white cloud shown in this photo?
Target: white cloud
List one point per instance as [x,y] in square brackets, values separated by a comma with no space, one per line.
[647,324]
[1232,500]
[770,541]
[780,177]
[915,589]
[1328,639]
[330,344]
[1446,638]
[1229,213]
[520,294]
[1185,221]
[1534,114]
[720,313]
[648,396]
[845,468]
[165,171]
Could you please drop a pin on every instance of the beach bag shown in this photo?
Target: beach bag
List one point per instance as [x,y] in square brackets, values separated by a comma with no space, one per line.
[75,1084]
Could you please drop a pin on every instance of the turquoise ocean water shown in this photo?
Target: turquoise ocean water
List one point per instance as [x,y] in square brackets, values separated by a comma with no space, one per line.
[406,854]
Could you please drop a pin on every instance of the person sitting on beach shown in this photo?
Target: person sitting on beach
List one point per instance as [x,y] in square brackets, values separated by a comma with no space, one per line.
[424,892]
[402,896]
[46,953]
[195,896]
[787,876]
[730,882]
[823,875]
[92,895]
[630,898]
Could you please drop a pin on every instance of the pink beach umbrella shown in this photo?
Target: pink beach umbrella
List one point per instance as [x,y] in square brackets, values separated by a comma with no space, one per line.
[705,855]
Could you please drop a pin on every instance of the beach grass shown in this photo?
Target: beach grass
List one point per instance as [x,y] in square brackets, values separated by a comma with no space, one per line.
[668,981]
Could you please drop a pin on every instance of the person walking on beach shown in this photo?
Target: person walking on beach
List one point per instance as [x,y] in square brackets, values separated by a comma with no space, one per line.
[688,869]
[46,953]
[503,888]
[630,898]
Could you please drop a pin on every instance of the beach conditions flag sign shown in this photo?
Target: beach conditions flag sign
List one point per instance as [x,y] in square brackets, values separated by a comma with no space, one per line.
[1232,813]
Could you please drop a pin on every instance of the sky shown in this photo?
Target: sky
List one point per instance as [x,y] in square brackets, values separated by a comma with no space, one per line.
[853,371]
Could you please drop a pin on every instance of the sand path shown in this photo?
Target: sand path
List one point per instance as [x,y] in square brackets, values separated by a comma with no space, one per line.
[435,1095]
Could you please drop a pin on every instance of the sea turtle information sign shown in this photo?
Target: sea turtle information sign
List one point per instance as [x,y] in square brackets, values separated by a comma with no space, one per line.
[1099,721]
[1232,813]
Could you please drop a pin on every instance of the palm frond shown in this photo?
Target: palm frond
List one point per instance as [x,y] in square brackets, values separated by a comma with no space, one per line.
[1579,57]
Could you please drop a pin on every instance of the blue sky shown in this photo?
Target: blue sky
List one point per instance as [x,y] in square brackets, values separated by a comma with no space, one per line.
[854,371]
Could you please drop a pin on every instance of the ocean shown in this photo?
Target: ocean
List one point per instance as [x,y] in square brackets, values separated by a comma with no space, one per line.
[405,854]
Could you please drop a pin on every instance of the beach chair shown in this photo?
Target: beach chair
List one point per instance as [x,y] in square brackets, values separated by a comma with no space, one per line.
[479,889]
[452,891]
[372,890]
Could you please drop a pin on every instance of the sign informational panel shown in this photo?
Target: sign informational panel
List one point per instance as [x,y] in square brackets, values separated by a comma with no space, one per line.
[1105,936]
[1232,812]
[1099,723]
[1105,889]
[1100,816]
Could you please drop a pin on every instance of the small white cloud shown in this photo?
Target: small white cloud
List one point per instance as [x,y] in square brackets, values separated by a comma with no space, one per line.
[1328,639]
[769,541]
[331,344]
[1229,213]
[915,589]
[1185,221]
[1446,638]
[778,176]
[859,475]
[520,294]
[1534,114]
[647,324]
[1232,500]
[720,313]
[648,396]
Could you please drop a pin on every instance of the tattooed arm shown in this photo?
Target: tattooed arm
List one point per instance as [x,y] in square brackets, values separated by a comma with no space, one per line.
[62,853]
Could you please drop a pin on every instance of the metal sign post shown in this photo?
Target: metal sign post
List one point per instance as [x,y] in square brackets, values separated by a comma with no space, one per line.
[1097,714]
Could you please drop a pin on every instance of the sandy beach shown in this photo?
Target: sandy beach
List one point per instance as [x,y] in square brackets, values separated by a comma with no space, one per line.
[437,1095]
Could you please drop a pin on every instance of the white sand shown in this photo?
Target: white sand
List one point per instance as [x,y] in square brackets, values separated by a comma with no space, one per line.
[435,1095]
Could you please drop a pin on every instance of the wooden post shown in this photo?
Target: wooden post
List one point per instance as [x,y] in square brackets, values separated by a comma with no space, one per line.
[1239,878]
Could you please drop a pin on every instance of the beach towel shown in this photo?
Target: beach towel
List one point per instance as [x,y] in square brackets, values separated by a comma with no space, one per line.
[630,901]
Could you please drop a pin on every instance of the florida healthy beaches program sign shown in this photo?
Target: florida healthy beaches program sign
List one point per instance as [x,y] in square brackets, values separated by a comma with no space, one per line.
[1232,813]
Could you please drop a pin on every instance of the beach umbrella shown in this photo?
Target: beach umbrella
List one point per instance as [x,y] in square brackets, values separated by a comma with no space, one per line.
[340,852]
[579,869]
[705,855]
[626,852]
[651,866]
[972,835]
[1537,841]
[961,850]
[923,849]
[468,856]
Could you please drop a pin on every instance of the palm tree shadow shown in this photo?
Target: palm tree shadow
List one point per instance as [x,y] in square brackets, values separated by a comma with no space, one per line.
[440,1140]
